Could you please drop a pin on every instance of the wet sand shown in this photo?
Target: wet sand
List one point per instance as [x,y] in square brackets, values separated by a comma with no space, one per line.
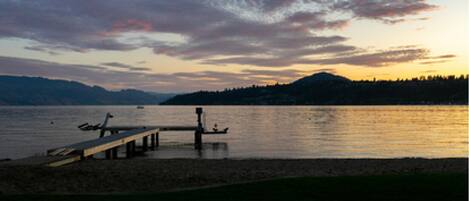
[156,175]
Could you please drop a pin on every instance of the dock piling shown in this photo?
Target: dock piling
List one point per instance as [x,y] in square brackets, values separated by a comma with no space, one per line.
[199,130]
[198,140]
[157,139]
[108,154]
[114,152]
[128,150]
[145,143]
[152,141]
[133,148]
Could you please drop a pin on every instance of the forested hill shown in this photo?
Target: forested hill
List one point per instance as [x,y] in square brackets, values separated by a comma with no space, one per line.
[41,91]
[328,89]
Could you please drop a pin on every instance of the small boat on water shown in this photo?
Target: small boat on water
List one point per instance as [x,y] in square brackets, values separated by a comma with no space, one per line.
[140,107]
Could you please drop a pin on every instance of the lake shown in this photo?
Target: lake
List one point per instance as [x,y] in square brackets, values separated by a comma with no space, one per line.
[254,131]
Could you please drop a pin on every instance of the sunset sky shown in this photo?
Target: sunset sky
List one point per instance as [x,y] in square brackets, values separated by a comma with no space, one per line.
[189,45]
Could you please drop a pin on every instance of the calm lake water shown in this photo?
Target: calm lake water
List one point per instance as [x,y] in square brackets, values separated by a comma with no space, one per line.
[255,131]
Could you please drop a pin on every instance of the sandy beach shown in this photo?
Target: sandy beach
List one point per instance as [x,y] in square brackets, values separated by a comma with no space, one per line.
[157,175]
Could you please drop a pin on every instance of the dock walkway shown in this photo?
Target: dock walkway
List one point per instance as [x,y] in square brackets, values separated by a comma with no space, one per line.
[90,147]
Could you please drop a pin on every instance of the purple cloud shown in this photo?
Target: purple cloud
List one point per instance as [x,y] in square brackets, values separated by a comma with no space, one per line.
[315,20]
[212,34]
[377,59]
[125,66]
[356,58]
[384,10]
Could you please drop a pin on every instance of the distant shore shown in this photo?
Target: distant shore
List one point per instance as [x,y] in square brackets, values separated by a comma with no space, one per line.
[134,105]
[156,175]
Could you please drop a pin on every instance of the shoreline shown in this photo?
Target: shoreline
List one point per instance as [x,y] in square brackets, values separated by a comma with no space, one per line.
[161,175]
[168,105]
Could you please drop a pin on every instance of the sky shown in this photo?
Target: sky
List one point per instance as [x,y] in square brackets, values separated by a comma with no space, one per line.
[191,45]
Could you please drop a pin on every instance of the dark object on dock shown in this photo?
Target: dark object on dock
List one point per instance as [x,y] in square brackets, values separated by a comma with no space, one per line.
[88,127]
[140,107]
[82,125]
[124,135]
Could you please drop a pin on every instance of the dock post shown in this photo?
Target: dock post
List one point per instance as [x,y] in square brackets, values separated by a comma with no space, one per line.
[114,153]
[128,150]
[108,154]
[152,141]
[198,132]
[145,143]
[198,140]
[157,136]
[133,147]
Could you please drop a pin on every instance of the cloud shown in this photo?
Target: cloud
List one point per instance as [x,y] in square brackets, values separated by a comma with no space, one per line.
[437,59]
[433,62]
[125,66]
[129,25]
[384,10]
[357,58]
[172,82]
[377,59]
[446,56]
[315,21]
[286,32]
[271,5]
[256,61]
[38,48]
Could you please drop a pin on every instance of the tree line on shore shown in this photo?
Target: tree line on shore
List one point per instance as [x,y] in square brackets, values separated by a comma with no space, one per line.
[328,89]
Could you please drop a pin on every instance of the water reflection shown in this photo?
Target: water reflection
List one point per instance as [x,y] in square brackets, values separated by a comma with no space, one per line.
[210,150]
[255,131]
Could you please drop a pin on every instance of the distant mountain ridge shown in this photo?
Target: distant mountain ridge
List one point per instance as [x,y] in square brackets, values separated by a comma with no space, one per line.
[328,89]
[320,77]
[15,90]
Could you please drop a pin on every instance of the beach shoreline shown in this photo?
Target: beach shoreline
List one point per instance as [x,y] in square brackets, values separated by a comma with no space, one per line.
[160,175]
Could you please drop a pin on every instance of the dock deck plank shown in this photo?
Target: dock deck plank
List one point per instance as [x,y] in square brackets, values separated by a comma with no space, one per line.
[91,147]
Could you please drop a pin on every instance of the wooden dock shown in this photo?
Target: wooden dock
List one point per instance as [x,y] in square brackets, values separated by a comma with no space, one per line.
[120,136]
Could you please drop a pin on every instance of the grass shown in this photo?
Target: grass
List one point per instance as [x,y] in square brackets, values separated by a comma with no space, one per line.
[391,187]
